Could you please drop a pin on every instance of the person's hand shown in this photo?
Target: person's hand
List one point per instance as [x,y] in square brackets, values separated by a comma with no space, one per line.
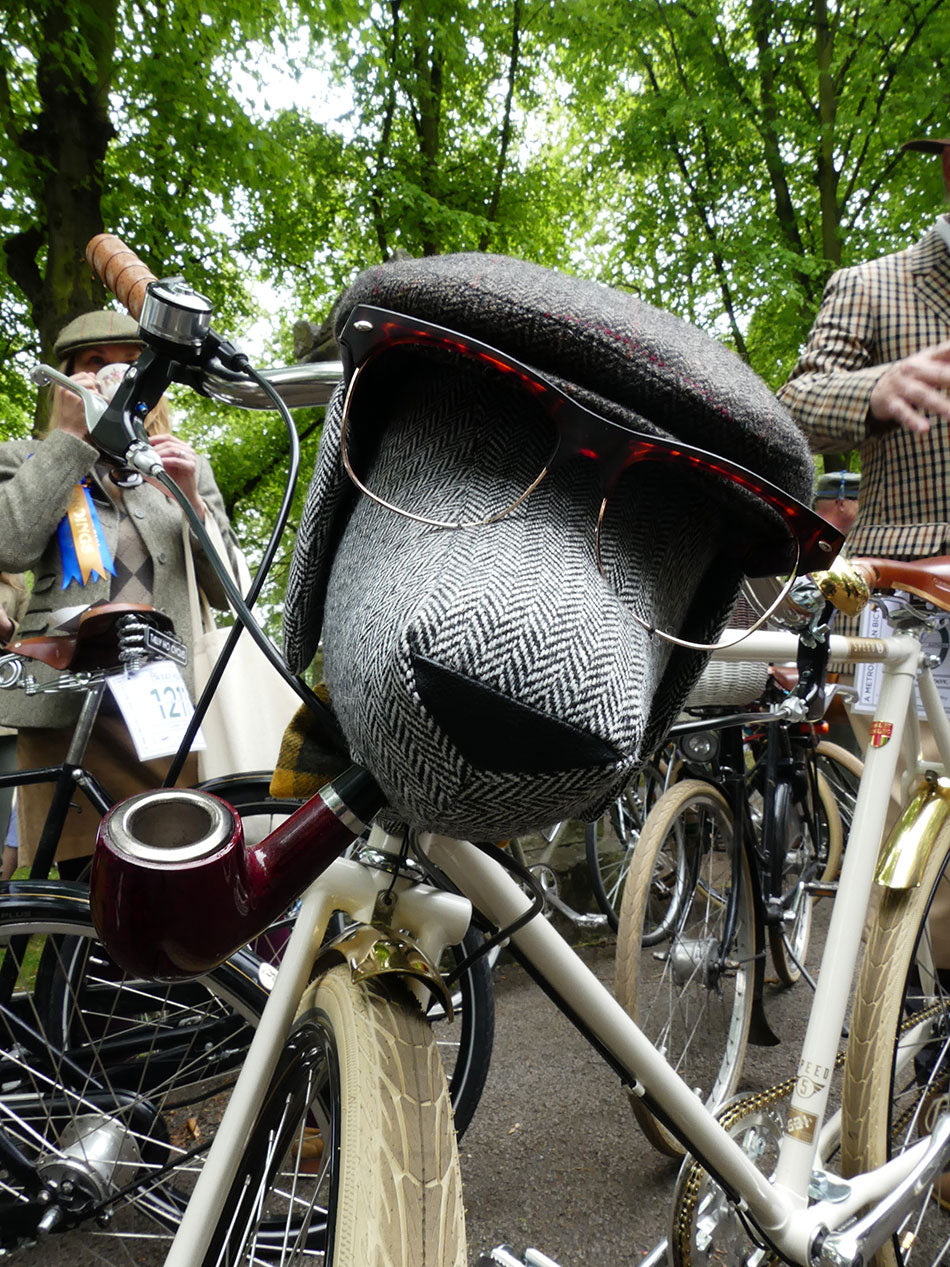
[913,388]
[181,463]
[68,407]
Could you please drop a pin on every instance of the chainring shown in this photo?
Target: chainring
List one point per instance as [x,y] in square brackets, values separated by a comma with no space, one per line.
[707,1229]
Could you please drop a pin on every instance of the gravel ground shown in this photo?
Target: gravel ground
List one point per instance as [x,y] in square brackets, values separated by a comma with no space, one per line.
[554,1158]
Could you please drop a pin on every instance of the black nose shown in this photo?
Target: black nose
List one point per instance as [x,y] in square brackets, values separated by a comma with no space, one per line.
[494,732]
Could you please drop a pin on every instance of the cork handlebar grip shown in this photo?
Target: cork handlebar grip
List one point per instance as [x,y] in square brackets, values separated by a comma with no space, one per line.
[120,270]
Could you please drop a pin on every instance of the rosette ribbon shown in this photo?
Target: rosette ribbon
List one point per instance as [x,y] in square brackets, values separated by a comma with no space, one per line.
[82,542]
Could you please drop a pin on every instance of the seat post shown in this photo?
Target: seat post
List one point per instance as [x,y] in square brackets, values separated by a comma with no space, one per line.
[65,786]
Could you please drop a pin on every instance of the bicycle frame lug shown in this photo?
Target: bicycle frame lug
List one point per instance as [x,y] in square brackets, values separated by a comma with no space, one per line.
[826,1187]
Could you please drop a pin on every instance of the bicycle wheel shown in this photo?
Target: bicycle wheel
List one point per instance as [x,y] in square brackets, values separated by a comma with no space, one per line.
[842,771]
[897,1064]
[111,1088]
[465,1043]
[611,840]
[353,1156]
[811,848]
[691,995]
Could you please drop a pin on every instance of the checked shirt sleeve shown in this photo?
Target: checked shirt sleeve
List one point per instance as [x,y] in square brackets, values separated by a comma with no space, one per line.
[829,391]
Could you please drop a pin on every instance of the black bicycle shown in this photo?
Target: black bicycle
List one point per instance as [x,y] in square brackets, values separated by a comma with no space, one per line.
[729,865]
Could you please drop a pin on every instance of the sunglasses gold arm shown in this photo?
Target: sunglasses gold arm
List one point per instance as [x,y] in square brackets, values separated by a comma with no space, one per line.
[408,514]
[684,642]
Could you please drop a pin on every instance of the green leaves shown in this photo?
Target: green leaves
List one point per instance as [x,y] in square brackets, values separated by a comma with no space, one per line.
[718,158]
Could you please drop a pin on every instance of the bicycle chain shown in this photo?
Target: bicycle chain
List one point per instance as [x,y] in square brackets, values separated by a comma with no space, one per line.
[694,1177]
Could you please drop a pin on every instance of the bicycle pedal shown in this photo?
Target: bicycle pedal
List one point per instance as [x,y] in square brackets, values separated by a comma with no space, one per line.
[816,889]
[504,1256]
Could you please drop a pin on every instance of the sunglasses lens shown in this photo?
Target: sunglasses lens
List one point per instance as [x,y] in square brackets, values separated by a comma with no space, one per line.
[664,526]
[656,523]
[444,440]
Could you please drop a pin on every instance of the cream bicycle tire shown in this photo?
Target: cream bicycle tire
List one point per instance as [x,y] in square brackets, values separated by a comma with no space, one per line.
[396,1195]
[722,1019]
[844,786]
[889,1094]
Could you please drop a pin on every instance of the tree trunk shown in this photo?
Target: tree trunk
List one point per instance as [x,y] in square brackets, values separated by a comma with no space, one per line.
[67,141]
[827,109]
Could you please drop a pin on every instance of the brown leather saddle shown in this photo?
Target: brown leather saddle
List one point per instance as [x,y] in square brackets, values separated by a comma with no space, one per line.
[95,642]
[927,578]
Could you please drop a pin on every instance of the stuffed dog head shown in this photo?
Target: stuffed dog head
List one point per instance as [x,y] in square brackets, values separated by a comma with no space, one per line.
[501,675]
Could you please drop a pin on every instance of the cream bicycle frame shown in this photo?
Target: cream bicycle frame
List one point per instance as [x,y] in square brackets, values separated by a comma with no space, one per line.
[780,1208]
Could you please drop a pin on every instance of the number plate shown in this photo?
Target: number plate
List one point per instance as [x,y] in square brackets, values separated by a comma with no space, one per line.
[156,708]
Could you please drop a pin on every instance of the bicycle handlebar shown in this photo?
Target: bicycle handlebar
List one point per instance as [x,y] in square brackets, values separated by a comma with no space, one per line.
[123,273]
[297,385]
[120,270]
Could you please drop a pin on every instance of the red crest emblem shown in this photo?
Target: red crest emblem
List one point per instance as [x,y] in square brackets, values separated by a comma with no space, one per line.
[881,731]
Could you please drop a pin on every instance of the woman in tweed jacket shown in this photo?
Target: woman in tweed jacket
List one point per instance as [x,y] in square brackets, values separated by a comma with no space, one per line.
[874,376]
[143,529]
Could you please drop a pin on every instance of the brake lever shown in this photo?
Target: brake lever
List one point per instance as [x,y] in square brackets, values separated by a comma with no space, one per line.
[94,406]
[135,449]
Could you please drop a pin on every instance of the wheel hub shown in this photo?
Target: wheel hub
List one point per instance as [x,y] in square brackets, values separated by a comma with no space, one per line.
[696,958]
[96,1156]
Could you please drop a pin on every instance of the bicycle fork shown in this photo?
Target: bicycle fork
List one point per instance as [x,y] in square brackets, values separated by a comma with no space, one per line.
[433,919]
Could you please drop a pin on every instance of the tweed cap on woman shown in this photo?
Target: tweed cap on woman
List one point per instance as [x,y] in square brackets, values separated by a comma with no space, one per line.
[94,328]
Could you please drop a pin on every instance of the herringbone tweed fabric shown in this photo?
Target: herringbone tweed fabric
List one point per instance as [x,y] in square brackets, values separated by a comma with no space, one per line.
[490,678]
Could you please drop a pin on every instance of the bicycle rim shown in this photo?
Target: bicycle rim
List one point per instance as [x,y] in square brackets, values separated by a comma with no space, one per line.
[690,994]
[110,1087]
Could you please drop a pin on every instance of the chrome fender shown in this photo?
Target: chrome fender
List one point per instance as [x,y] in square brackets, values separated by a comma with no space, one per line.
[904,854]
[375,950]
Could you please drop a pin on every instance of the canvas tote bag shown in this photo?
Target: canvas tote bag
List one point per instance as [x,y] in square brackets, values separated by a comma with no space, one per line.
[252,705]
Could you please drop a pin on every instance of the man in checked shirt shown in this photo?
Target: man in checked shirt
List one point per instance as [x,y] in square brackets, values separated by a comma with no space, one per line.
[874,376]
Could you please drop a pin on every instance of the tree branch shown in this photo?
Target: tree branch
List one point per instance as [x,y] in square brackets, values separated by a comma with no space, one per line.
[492,212]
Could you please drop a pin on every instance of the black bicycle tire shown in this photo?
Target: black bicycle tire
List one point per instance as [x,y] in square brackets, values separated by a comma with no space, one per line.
[73,1060]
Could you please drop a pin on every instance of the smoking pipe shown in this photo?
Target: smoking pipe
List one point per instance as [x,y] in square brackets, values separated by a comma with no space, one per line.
[174,888]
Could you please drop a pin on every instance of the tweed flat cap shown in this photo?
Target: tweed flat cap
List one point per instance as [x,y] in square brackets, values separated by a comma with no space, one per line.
[94,328]
[638,365]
